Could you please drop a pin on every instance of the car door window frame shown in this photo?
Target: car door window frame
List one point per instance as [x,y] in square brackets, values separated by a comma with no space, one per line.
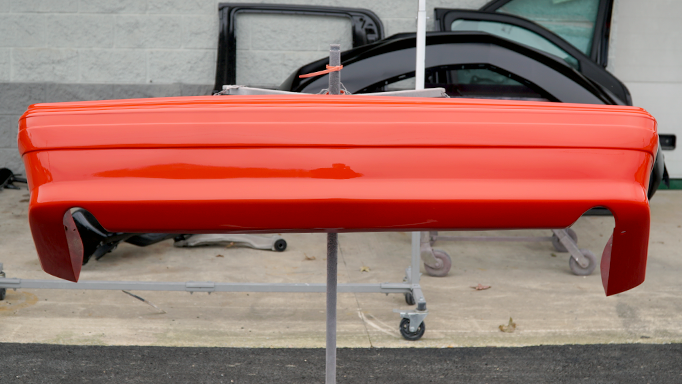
[445,17]
[366,28]
[599,51]
[588,67]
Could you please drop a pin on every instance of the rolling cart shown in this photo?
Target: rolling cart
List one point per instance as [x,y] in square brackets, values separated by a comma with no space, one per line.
[437,262]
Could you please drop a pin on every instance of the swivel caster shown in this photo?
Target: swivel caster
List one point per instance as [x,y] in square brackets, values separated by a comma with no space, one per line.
[405,330]
[577,269]
[444,263]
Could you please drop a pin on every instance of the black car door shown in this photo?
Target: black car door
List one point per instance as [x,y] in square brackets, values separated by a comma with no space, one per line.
[529,33]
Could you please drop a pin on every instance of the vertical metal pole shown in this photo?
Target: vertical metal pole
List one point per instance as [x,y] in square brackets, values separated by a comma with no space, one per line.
[416,257]
[335,77]
[332,247]
[332,243]
[421,45]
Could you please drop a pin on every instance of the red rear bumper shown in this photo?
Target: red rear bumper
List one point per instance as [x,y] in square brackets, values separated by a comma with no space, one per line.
[250,164]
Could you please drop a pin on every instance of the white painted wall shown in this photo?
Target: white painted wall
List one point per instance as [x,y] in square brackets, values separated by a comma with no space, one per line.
[646,54]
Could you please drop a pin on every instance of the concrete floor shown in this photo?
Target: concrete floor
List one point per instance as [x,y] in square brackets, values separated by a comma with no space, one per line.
[530,282]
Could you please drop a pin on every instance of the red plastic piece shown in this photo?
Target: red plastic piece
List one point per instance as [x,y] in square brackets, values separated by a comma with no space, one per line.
[329,69]
[337,163]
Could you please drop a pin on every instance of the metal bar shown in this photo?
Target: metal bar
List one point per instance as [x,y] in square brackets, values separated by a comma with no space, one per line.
[416,257]
[431,92]
[494,238]
[571,247]
[207,286]
[332,265]
[242,90]
[426,252]
[421,45]
[332,243]
[335,77]
[254,241]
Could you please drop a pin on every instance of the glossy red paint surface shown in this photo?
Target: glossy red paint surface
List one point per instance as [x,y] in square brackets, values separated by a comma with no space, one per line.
[328,163]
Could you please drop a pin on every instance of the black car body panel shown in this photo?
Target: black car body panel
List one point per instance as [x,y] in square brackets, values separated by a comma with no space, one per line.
[367,28]
[367,67]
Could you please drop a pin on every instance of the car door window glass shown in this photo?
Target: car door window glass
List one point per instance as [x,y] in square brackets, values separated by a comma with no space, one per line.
[472,81]
[573,20]
[515,33]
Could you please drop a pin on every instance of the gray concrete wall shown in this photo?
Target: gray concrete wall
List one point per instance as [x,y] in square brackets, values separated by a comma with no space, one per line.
[66,50]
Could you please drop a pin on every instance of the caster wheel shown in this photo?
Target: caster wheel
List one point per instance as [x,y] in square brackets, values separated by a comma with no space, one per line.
[557,243]
[580,271]
[405,330]
[280,245]
[409,299]
[444,261]
[3,293]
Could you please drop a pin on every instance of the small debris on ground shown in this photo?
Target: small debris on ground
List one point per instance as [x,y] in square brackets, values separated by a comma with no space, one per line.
[231,244]
[144,301]
[308,257]
[509,328]
[553,254]
[364,269]
[481,287]
[219,256]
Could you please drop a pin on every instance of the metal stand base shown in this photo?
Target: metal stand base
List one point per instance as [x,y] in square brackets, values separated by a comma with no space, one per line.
[411,326]
[436,262]
[273,243]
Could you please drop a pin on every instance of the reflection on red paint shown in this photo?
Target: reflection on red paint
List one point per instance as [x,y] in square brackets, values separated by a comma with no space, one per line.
[198,171]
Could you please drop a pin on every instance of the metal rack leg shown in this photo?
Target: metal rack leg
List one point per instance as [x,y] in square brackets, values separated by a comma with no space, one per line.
[332,265]
[416,257]
[412,324]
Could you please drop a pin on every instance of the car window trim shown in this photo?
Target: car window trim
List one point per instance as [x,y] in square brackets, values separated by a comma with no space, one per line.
[445,17]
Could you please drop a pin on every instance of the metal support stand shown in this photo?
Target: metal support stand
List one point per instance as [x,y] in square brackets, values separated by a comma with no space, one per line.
[335,77]
[412,325]
[436,262]
[332,264]
[332,243]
